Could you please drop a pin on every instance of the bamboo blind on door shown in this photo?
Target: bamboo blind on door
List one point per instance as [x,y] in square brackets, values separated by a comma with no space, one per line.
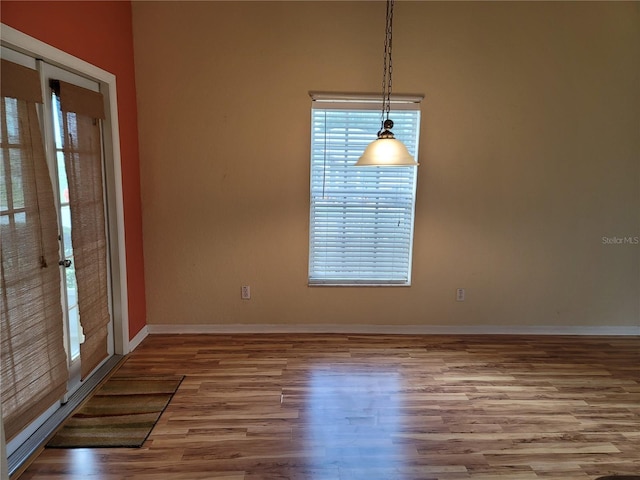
[34,363]
[81,111]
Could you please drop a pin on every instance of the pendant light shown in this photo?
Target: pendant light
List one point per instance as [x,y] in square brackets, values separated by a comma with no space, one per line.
[386,150]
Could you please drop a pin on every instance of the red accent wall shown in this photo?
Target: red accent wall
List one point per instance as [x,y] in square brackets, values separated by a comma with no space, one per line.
[100,32]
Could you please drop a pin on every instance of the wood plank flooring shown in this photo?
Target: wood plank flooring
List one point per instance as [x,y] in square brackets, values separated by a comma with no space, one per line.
[338,407]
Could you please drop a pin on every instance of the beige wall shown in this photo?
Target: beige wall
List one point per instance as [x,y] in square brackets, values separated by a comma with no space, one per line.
[529,156]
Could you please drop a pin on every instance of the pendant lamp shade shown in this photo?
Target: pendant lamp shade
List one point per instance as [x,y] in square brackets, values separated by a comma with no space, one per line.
[386,152]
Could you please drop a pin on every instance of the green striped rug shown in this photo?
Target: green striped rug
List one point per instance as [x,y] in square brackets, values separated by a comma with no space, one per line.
[120,413]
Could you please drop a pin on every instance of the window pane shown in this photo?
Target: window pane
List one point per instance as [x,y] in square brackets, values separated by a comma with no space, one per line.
[361,217]
[57,120]
[62,179]
[74,332]
[4,201]
[65,215]
[72,289]
[11,116]
[15,156]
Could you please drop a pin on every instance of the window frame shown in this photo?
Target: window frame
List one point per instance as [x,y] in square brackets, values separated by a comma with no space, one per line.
[346,102]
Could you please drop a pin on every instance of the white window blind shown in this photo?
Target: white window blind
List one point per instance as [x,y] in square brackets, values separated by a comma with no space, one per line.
[361,220]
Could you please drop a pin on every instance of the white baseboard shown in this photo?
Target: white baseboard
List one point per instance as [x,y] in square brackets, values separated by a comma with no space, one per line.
[137,340]
[396,329]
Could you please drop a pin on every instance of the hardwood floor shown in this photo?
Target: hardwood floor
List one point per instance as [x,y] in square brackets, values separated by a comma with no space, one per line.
[376,407]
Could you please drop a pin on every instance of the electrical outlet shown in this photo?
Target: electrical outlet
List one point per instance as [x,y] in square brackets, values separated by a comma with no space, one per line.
[460,295]
[245,292]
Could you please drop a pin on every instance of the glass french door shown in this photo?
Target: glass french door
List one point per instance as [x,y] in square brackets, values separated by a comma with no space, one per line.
[85,356]
[52,119]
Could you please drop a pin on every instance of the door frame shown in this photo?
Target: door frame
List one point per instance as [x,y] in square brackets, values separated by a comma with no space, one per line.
[28,45]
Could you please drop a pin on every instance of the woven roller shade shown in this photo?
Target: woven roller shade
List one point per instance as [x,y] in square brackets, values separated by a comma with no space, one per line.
[33,371]
[20,82]
[83,161]
[74,99]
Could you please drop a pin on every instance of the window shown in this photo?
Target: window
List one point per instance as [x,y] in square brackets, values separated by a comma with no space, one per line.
[361,219]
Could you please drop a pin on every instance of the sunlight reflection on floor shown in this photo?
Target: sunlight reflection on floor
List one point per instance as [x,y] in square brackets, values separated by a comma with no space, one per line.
[351,422]
[85,461]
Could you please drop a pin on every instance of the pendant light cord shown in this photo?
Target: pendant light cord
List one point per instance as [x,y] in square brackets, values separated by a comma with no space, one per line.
[387,63]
